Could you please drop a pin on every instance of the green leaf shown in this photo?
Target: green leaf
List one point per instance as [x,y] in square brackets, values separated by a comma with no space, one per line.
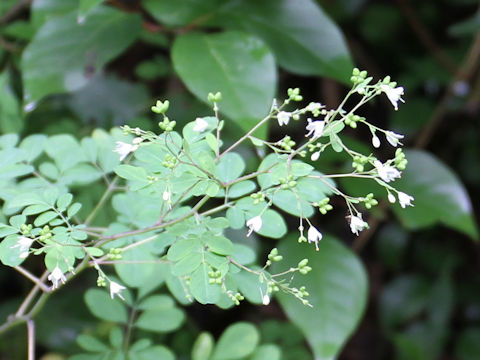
[156,352]
[238,65]
[137,275]
[237,341]
[180,12]
[102,306]
[56,59]
[273,226]
[63,201]
[116,338]
[65,150]
[33,145]
[188,264]
[35,209]
[202,291]
[85,7]
[45,218]
[267,351]
[236,217]
[73,209]
[229,167]
[136,174]
[10,119]
[161,320]
[290,202]
[91,343]
[107,99]
[203,346]
[182,248]
[338,292]
[439,195]
[219,245]
[304,39]
[9,254]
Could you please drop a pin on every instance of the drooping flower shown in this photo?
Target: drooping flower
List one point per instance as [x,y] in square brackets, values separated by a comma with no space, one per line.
[24,244]
[393,94]
[313,235]
[200,125]
[283,118]
[357,224]
[254,224]
[166,196]
[391,198]
[56,276]
[375,141]
[387,173]
[404,199]
[123,149]
[315,128]
[265,299]
[116,289]
[393,138]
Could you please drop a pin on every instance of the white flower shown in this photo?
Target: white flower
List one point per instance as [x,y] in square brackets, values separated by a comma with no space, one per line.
[315,128]
[393,94]
[254,224]
[315,156]
[166,196]
[357,224]
[387,173]
[313,107]
[393,138]
[124,149]
[56,276]
[115,289]
[200,125]
[24,244]
[391,198]
[314,236]
[265,299]
[375,141]
[283,118]
[404,199]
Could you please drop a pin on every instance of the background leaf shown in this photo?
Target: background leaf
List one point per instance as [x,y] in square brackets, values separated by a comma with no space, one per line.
[63,53]
[304,39]
[338,292]
[439,195]
[238,65]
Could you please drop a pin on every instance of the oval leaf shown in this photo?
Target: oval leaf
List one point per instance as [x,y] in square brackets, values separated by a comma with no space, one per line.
[338,292]
[439,195]
[238,65]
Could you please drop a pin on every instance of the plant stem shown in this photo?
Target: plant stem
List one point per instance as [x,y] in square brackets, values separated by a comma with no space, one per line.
[33,278]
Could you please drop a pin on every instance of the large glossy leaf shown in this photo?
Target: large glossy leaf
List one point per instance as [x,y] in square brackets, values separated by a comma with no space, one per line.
[235,63]
[181,12]
[108,99]
[338,292]
[63,54]
[439,195]
[304,39]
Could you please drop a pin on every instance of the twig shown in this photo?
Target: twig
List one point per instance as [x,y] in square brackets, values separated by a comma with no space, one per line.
[31,339]
[14,11]
[464,73]
[33,278]
[425,38]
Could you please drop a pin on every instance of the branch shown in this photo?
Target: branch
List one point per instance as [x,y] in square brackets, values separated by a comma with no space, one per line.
[14,11]
[425,38]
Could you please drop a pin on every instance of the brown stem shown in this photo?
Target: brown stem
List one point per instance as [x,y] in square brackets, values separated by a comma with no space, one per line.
[425,38]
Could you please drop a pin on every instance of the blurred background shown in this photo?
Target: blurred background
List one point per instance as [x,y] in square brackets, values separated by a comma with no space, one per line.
[70,67]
